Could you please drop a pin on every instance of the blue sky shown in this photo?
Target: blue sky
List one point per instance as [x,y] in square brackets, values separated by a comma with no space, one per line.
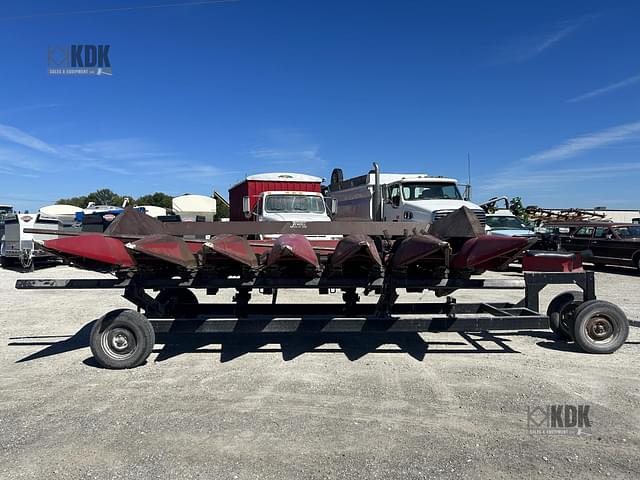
[545,96]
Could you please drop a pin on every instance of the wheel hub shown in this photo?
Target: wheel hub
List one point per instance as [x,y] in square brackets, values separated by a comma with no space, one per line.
[119,342]
[599,328]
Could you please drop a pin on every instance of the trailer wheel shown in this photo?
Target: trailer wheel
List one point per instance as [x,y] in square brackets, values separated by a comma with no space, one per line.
[172,298]
[122,339]
[560,312]
[600,327]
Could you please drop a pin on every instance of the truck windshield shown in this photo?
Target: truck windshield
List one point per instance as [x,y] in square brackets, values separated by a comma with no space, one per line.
[430,191]
[294,204]
[628,232]
[505,223]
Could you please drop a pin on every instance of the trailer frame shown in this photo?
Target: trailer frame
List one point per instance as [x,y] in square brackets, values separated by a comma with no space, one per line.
[187,316]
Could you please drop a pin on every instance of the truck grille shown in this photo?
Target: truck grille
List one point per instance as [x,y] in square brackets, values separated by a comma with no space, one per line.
[478,213]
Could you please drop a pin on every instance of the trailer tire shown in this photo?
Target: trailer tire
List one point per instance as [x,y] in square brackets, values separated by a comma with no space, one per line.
[172,298]
[560,312]
[122,339]
[600,327]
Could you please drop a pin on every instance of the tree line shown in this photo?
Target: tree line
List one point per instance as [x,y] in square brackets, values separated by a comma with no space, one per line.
[105,196]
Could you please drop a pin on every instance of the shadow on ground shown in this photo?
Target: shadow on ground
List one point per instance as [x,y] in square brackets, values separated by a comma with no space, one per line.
[354,346]
[291,345]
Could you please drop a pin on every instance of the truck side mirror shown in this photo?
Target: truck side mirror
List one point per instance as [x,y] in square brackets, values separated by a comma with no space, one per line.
[246,207]
[333,207]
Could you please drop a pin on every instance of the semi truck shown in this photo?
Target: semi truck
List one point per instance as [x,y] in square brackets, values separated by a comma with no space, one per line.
[397,197]
[278,197]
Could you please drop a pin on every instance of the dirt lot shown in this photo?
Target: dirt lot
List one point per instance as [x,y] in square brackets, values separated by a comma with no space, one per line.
[402,406]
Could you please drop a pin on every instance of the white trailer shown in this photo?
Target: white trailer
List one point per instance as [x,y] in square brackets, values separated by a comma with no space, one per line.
[397,197]
[19,247]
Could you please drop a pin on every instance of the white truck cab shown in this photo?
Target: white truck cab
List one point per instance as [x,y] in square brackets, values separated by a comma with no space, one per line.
[422,198]
[291,206]
[400,197]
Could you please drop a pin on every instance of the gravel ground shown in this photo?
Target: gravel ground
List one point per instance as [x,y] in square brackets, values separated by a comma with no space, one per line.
[410,406]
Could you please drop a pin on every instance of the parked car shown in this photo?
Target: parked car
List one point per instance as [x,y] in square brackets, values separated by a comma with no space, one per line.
[609,243]
[503,222]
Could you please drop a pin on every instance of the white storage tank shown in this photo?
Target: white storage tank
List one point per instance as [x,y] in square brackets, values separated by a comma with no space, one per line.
[65,213]
[191,206]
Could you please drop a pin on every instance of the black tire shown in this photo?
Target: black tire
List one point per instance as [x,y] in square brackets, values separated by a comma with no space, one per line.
[600,327]
[336,176]
[560,312]
[172,299]
[122,339]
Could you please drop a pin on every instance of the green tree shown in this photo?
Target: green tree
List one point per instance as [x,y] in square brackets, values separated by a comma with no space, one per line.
[222,210]
[104,196]
[158,199]
[75,201]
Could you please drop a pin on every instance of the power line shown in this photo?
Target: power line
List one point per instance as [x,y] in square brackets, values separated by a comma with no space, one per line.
[119,9]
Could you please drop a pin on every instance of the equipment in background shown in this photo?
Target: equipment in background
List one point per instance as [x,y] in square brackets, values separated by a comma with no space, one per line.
[193,208]
[22,249]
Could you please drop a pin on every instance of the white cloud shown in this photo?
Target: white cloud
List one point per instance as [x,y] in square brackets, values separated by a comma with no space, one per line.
[26,155]
[518,178]
[584,143]
[15,135]
[527,47]
[609,88]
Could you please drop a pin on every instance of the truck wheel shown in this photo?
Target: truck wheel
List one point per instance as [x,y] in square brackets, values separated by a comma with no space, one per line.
[560,312]
[122,339]
[172,298]
[600,327]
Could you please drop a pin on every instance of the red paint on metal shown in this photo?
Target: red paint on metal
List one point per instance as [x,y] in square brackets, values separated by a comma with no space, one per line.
[292,248]
[92,247]
[164,247]
[416,248]
[480,251]
[357,248]
[234,247]
[537,261]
